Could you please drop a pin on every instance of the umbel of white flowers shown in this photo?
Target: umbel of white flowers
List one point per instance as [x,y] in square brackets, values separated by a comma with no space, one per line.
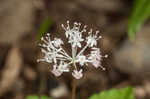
[63,62]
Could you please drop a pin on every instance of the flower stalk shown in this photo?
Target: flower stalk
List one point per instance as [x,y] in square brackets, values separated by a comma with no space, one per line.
[73,89]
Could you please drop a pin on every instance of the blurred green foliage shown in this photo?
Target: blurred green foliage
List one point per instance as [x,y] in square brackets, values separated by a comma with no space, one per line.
[124,93]
[37,97]
[140,13]
[46,24]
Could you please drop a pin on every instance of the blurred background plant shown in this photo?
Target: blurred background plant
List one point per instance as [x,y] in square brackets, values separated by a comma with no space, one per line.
[140,13]
[45,26]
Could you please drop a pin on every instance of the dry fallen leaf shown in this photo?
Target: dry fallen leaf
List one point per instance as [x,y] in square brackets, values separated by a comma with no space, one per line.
[11,69]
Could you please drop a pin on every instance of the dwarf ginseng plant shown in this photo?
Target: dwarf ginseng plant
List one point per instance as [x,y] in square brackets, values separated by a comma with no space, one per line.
[63,62]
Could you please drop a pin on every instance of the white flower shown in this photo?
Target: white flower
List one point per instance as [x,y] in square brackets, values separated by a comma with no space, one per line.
[77,74]
[75,40]
[63,67]
[74,35]
[57,42]
[95,57]
[54,53]
[56,71]
[81,59]
[92,39]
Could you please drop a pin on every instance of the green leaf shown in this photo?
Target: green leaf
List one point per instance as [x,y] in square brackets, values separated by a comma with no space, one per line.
[140,13]
[45,97]
[37,97]
[32,97]
[46,24]
[124,93]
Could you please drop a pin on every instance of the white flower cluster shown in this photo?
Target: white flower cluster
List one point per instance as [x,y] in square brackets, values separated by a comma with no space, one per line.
[63,62]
